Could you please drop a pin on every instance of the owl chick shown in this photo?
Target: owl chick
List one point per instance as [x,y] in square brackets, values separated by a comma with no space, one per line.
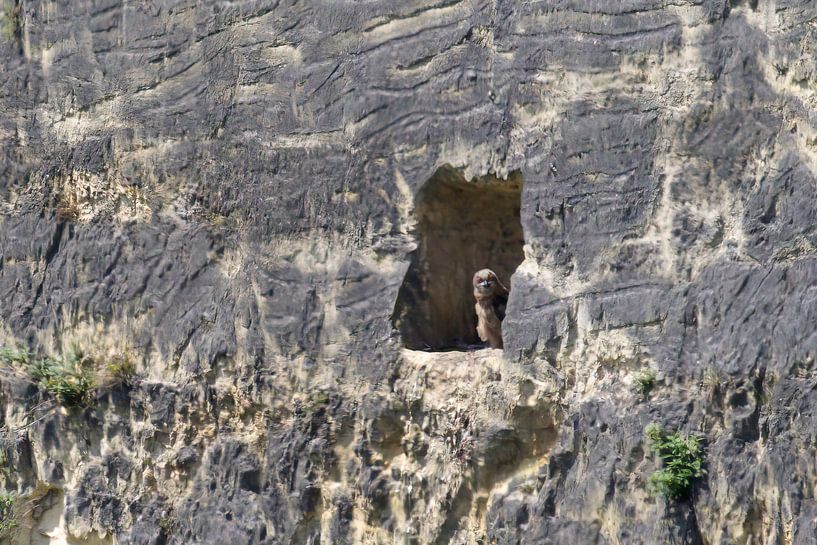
[492,297]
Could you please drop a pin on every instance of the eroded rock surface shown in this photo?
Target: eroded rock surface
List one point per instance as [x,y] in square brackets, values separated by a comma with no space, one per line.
[225,191]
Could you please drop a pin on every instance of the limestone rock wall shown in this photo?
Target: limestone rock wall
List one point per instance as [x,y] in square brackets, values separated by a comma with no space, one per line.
[225,192]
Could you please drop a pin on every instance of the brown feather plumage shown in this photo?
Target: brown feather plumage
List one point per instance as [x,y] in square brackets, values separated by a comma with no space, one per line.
[492,298]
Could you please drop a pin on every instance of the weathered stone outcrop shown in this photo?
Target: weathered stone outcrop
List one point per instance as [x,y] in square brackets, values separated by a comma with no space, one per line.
[226,192]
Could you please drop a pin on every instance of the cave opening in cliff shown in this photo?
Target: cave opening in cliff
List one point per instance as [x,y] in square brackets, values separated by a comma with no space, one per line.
[462,226]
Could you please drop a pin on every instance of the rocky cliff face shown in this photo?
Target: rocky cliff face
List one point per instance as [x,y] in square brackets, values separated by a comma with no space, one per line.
[229,196]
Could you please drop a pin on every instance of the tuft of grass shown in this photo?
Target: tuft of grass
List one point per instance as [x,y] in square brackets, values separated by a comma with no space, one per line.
[681,462]
[17,357]
[168,523]
[317,400]
[11,21]
[645,381]
[70,379]
[8,515]
[120,369]
[711,379]
[74,377]
[5,465]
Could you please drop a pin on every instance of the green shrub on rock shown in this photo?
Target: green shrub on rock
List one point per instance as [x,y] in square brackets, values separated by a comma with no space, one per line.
[645,381]
[70,379]
[14,356]
[10,21]
[75,377]
[120,369]
[681,461]
[8,515]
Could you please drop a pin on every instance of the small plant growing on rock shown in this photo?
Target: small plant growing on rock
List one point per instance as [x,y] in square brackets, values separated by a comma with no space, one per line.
[168,523]
[14,356]
[120,369]
[645,381]
[11,20]
[73,378]
[317,400]
[711,379]
[8,515]
[69,379]
[681,461]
